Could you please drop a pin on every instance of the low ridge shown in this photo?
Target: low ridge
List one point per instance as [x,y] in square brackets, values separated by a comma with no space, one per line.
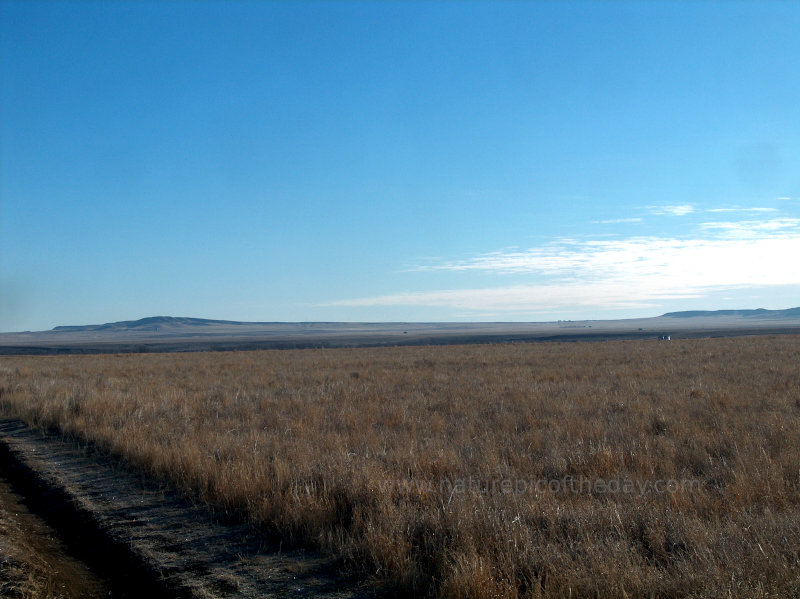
[757,313]
[149,323]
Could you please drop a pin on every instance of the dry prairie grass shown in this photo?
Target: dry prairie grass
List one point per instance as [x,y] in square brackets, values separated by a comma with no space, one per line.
[434,467]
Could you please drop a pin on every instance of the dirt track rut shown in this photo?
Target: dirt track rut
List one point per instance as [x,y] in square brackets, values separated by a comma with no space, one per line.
[148,539]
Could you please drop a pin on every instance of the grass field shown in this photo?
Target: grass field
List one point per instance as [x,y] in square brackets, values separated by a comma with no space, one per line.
[613,469]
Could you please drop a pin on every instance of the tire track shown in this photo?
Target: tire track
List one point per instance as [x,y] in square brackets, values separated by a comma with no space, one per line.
[148,540]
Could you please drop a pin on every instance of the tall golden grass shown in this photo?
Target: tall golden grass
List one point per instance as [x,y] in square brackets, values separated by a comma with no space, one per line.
[613,469]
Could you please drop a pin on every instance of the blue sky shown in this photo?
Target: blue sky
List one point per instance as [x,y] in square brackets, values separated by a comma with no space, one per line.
[416,161]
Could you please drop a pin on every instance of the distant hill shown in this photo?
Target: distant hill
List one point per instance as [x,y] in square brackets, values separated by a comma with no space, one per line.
[758,313]
[150,324]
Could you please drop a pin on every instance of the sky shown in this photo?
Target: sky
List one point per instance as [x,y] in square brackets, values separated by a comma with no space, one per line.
[396,161]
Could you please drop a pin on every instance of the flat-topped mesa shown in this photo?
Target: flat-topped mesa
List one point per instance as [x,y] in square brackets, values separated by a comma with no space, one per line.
[149,322]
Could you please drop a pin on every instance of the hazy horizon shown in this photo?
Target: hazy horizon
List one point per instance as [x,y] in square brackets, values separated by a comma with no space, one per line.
[396,162]
[165,317]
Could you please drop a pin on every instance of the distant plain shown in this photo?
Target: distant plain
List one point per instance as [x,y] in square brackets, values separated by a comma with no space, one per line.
[164,333]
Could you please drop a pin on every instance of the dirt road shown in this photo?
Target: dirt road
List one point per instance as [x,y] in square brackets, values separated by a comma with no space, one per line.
[148,540]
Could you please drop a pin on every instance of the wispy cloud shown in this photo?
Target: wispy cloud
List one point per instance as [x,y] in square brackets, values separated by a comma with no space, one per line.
[641,256]
[629,273]
[614,221]
[757,209]
[783,198]
[525,298]
[679,210]
[752,228]
[614,274]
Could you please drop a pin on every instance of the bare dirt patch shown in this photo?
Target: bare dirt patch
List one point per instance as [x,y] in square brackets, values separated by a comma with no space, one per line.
[34,564]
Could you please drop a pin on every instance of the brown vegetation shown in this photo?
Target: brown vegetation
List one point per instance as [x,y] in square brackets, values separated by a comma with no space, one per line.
[613,469]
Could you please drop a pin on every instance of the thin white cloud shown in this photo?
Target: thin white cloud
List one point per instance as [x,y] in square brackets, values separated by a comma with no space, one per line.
[679,210]
[526,298]
[752,228]
[757,209]
[783,198]
[614,221]
[608,274]
[628,273]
